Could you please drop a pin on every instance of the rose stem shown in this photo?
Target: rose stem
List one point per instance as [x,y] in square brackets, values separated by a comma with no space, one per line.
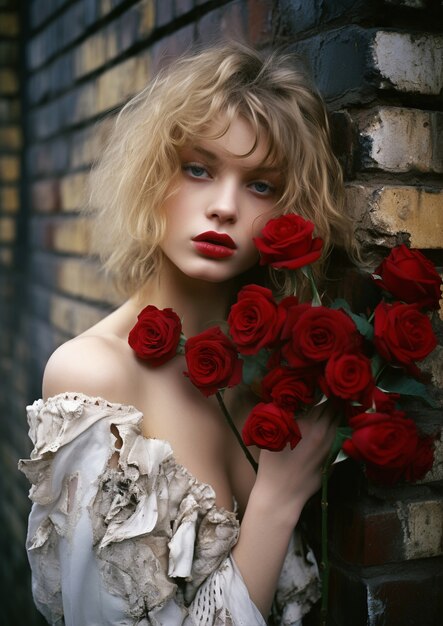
[235,431]
[324,543]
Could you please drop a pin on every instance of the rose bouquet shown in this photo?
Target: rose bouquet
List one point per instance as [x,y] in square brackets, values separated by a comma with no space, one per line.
[294,355]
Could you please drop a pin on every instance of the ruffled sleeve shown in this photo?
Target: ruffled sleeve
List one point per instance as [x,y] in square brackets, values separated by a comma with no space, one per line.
[122,534]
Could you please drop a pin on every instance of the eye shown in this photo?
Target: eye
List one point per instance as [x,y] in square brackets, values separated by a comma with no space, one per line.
[195,170]
[262,188]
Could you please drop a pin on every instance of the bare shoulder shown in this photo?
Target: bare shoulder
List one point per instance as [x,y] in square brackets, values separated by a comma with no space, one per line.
[96,365]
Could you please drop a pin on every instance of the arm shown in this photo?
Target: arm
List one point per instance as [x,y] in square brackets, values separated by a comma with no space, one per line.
[285,482]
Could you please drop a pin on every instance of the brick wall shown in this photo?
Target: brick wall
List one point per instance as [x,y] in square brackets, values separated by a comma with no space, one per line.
[379,65]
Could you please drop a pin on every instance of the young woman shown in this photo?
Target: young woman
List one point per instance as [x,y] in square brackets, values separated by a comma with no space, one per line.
[145,508]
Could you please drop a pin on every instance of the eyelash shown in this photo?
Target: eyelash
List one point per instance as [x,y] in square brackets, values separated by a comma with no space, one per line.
[188,167]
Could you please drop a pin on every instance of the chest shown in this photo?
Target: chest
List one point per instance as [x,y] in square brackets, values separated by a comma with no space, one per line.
[201,440]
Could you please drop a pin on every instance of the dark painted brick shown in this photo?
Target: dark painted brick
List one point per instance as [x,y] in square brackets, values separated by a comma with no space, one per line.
[183,6]
[340,63]
[401,595]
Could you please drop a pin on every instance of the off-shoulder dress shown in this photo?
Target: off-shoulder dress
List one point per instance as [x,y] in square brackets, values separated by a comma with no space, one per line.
[120,533]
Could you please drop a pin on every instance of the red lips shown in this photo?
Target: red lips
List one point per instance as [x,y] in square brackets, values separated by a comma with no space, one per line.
[214,245]
[220,239]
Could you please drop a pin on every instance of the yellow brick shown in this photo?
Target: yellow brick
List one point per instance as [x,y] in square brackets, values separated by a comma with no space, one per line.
[74,191]
[9,24]
[72,235]
[6,256]
[9,199]
[147,21]
[90,55]
[86,103]
[8,81]
[87,144]
[10,137]
[120,82]
[387,211]
[45,196]
[82,278]
[9,168]
[7,229]
[111,43]
[73,317]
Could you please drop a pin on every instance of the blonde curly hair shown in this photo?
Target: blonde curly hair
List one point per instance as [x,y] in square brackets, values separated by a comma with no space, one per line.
[131,180]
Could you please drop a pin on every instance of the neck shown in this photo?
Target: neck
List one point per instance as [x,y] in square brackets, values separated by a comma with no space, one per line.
[199,304]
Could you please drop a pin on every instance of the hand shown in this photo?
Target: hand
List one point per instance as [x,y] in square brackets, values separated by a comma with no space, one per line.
[290,477]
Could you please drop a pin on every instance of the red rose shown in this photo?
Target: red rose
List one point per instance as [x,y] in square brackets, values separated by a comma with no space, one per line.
[255,319]
[288,388]
[420,464]
[348,376]
[156,335]
[384,440]
[402,334]
[212,361]
[315,333]
[409,276]
[287,242]
[270,427]
[385,402]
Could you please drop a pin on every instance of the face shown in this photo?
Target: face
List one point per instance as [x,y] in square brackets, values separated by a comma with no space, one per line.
[219,203]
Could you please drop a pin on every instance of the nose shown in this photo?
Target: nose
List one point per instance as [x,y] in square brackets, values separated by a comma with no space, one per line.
[223,204]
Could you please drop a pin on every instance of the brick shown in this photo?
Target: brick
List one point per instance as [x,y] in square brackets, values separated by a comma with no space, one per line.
[422,528]
[389,213]
[90,54]
[367,532]
[183,6]
[411,63]
[70,235]
[260,21]
[9,24]
[74,191]
[9,52]
[9,168]
[73,317]
[7,229]
[41,10]
[9,199]
[167,49]
[350,64]
[45,196]
[10,138]
[398,596]
[122,81]
[396,139]
[9,110]
[164,12]
[87,144]
[83,279]
[413,4]
[6,258]
[9,84]
[225,23]
[49,158]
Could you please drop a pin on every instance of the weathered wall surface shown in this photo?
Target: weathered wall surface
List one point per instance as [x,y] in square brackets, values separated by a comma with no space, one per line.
[379,65]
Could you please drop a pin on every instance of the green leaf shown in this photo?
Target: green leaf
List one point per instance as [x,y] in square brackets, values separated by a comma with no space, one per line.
[341,456]
[181,344]
[341,434]
[377,364]
[364,327]
[254,366]
[392,382]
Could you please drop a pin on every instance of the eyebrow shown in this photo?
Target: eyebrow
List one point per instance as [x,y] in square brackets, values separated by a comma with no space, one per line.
[214,158]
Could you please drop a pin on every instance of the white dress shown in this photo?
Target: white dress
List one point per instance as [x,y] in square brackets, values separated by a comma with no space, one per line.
[142,543]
